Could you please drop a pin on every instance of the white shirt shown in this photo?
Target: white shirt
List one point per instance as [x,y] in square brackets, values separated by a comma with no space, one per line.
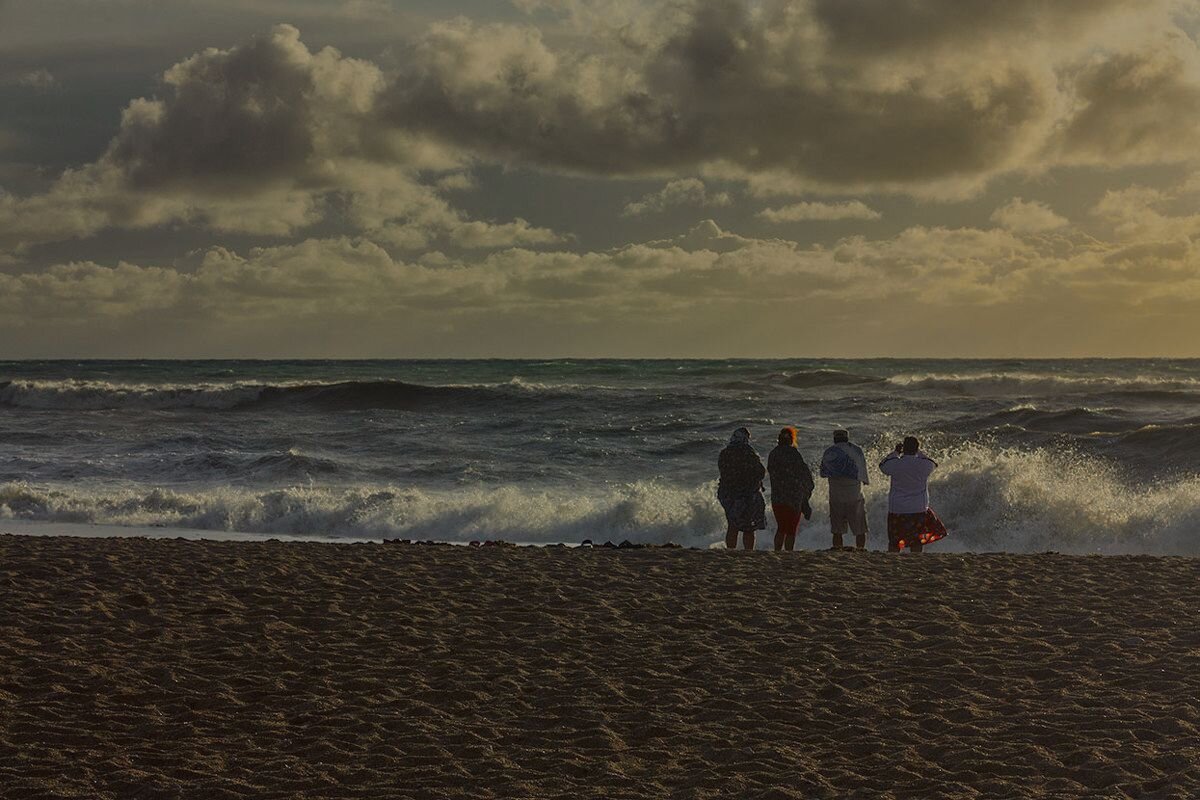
[910,482]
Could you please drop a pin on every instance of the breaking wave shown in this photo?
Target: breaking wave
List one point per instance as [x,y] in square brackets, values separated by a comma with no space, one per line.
[640,512]
[1038,383]
[1011,500]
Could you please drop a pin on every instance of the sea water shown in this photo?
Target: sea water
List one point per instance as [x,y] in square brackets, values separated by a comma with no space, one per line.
[1075,456]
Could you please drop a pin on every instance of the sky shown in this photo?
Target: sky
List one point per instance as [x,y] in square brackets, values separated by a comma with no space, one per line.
[599,178]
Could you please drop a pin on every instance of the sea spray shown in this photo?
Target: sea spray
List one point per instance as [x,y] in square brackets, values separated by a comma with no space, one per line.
[640,512]
[991,500]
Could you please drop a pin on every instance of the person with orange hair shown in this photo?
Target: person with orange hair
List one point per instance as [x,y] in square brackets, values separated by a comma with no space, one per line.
[791,488]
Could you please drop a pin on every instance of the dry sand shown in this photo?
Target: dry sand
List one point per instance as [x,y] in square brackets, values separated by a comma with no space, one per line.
[162,669]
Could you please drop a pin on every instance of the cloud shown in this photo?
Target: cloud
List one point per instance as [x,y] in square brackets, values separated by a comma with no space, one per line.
[264,138]
[705,235]
[269,110]
[1139,213]
[931,98]
[40,79]
[1024,216]
[482,235]
[672,296]
[1134,106]
[800,212]
[684,192]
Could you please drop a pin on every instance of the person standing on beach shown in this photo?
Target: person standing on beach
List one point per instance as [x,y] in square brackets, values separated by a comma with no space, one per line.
[791,488]
[911,522]
[739,489]
[845,466]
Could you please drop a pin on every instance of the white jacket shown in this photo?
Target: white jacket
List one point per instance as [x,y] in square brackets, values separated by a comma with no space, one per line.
[910,482]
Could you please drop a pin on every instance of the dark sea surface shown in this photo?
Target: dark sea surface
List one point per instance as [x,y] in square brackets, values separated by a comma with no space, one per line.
[1075,456]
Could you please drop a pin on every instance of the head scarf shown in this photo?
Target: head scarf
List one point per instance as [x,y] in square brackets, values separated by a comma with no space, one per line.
[740,436]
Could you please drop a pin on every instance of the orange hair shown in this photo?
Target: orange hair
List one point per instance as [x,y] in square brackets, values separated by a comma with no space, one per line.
[788,436]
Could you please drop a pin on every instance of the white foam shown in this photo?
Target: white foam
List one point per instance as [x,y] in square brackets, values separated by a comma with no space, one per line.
[98,395]
[1038,383]
[640,512]
[1019,501]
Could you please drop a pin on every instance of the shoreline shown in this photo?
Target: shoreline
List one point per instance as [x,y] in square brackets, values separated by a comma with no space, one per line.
[85,530]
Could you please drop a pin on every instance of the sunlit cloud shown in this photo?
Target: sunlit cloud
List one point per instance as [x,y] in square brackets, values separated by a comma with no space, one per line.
[681,193]
[1025,216]
[804,212]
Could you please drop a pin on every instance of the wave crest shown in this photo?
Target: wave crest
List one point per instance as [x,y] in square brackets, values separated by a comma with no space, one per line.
[341,396]
[1039,383]
[1006,499]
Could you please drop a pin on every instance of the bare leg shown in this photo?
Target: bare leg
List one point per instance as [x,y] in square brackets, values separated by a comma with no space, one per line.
[731,537]
[789,542]
[779,538]
[748,539]
[860,541]
[837,541]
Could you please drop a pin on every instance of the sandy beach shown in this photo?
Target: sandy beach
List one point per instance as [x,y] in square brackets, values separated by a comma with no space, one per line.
[133,668]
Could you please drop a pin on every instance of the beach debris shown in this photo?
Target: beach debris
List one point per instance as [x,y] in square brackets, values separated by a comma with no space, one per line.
[628,545]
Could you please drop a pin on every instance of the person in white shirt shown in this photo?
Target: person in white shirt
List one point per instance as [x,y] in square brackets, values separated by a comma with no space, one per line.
[911,522]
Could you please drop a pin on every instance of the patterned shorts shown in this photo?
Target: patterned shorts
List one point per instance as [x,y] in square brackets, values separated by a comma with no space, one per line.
[746,511]
[908,529]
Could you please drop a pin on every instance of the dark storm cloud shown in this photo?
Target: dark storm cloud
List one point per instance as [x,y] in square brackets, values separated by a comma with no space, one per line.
[842,95]
[719,90]
[254,113]
[1140,106]
[929,98]
[262,138]
[870,27]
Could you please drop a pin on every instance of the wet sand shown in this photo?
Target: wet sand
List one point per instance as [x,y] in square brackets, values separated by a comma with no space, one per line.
[134,668]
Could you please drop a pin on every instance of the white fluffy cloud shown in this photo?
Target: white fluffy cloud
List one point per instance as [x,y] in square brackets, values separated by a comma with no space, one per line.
[684,192]
[801,212]
[1028,216]
[40,79]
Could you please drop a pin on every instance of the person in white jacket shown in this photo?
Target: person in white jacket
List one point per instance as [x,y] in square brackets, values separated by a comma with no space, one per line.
[911,522]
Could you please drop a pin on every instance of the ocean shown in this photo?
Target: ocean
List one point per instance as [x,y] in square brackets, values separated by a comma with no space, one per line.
[1080,456]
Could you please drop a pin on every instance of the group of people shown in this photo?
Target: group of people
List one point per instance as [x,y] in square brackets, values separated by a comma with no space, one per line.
[911,522]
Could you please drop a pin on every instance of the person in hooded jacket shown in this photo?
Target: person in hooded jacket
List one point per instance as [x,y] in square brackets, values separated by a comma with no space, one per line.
[791,489]
[739,489]
[845,466]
